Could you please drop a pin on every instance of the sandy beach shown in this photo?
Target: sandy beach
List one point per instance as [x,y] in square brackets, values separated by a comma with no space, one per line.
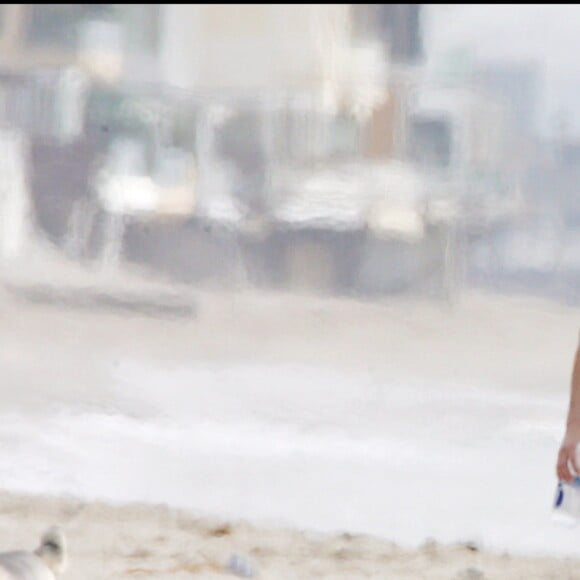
[85,415]
[156,542]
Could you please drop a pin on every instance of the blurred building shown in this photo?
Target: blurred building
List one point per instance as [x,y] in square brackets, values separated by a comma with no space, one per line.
[105,40]
[282,84]
[217,141]
[265,85]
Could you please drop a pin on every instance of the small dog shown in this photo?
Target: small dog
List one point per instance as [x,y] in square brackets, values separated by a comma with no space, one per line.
[47,562]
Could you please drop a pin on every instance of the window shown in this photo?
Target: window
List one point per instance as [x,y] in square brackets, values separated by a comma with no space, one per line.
[53,25]
[57,25]
[430,142]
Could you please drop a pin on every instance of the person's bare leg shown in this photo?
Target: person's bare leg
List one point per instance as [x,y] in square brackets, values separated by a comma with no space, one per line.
[567,455]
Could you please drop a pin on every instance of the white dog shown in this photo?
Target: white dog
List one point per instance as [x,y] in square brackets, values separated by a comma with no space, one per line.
[47,562]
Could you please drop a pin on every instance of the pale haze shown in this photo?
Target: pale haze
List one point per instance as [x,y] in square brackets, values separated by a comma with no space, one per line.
[289,291]
[542,33]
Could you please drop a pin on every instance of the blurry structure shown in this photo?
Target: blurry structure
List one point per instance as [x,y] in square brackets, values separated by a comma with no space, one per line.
[103,39]
[293,83]
[282,145]
[290,95]
[396,29]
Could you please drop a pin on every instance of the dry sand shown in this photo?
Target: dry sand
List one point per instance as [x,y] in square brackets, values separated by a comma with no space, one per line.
[156,542]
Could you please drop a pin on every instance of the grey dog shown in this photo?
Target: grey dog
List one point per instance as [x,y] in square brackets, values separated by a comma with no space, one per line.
[47,562]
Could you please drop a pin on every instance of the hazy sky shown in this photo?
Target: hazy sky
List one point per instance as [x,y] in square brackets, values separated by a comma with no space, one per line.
[547,34]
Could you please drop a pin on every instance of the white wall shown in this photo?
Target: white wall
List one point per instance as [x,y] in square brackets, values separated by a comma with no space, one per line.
[254,45]
[15,208]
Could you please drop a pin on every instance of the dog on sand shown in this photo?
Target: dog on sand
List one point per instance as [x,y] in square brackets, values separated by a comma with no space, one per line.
[47,562]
